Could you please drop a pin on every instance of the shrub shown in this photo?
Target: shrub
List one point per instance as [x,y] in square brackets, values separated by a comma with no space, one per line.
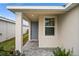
[4,52]
[10,53]
[62,52]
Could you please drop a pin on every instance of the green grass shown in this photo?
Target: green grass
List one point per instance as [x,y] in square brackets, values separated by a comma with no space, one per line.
[10,44]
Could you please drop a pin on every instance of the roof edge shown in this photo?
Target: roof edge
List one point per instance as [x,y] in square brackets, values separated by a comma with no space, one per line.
[7,20]
[70,6]
[67,7]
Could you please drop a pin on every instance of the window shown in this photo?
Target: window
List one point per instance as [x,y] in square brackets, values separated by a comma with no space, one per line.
[49,26]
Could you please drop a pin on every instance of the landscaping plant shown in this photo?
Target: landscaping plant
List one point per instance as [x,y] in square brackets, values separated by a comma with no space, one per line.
[62,52]
[4,52]
[10,53]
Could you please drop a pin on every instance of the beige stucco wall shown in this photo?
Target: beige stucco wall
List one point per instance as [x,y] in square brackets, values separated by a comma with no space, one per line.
[68,30]
[46,41]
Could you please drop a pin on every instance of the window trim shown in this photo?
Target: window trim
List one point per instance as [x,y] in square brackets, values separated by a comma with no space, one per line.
[50,26]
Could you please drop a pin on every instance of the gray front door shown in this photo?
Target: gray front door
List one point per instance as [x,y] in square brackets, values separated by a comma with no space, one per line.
[34,31]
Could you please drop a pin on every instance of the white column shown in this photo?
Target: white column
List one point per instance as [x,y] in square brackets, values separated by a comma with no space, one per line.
[18,33]
[29,30]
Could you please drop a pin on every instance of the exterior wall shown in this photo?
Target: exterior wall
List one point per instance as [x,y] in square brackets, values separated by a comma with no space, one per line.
[46,41]
[68,30]
[25,29]
[34,31]
[7,29]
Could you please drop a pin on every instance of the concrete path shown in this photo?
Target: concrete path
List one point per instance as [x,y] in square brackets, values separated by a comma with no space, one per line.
[32,49]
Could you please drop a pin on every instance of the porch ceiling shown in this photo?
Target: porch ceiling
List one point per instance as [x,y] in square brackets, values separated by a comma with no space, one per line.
[33,16]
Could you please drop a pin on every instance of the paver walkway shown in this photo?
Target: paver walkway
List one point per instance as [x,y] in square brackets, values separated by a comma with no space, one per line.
[32,49]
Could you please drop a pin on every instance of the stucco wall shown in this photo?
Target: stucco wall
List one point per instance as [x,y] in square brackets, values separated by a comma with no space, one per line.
[68,30]
[46,41]
[7,29]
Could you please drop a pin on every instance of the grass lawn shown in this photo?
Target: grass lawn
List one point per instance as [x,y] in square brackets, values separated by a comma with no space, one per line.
[10,44]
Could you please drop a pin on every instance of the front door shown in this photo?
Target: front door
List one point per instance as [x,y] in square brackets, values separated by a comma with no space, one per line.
[34,31]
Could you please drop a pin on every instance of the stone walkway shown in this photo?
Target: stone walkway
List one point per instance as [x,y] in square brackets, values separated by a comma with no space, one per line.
[32,49]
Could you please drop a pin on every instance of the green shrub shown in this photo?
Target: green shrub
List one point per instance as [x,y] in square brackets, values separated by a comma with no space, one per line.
[10,53]
[62,52]
[4,52]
